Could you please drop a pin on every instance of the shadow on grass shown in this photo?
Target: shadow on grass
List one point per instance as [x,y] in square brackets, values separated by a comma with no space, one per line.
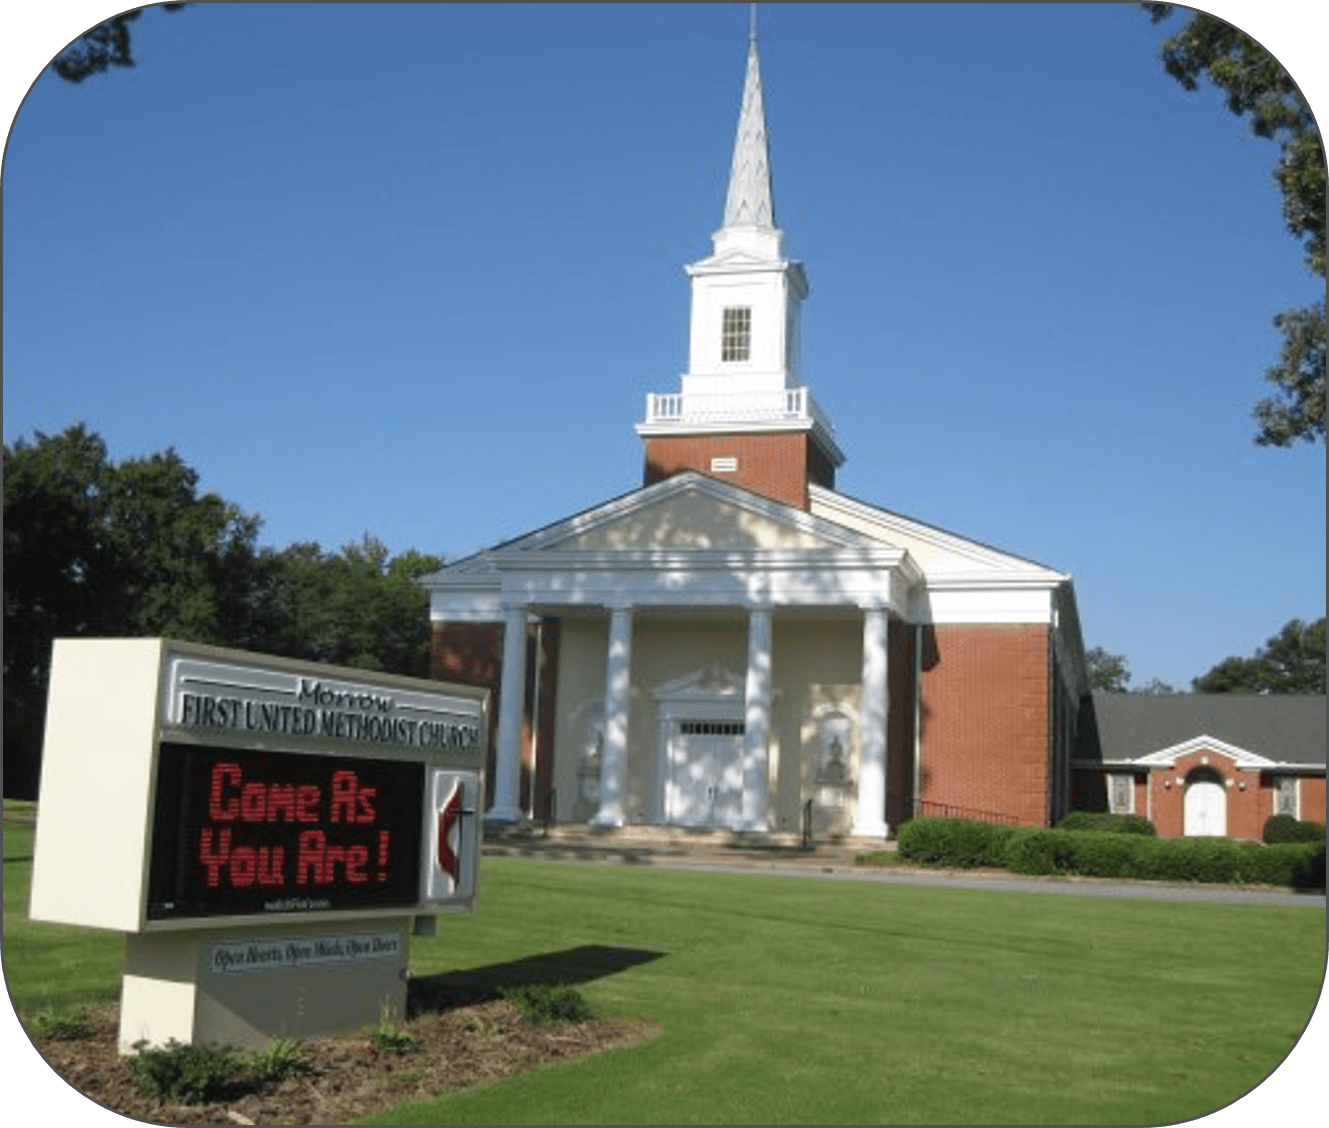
[587,962]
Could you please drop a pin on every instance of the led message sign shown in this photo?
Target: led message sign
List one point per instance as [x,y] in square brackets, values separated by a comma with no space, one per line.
[241,831]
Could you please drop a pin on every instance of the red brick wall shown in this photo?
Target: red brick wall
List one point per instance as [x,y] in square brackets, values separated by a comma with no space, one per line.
[984,721]
[471,654]
[1142,794]
[1312,798]
[776,465]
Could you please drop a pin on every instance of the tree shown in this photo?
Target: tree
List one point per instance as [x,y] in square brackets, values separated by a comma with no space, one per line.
[106,45]
[357,607]
[1258,87]
[98,548]
[133,549]
[1293,661]
[1155,687]
[1108,673]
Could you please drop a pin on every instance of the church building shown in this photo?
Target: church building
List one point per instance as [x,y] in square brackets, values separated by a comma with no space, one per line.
[736,644]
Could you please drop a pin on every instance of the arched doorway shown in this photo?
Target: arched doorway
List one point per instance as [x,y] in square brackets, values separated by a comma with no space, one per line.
[1205,804]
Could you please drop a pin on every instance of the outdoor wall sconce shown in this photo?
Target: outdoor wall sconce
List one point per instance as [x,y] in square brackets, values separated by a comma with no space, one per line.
[1241,786]
[1167,783]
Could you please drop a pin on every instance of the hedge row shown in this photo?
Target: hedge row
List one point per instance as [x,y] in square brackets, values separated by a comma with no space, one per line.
[1285,828]
[1033,850]
[1102,820]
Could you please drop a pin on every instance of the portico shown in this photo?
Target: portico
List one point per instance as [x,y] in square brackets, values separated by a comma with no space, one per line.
[789,577]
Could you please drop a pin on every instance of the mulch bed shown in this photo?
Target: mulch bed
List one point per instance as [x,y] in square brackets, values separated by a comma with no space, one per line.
[348,1077]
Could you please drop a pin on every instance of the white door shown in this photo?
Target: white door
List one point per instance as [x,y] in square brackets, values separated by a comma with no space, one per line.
[1206,806]
[706,784]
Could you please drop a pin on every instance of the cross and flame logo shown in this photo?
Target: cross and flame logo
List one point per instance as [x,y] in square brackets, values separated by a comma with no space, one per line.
[449,817]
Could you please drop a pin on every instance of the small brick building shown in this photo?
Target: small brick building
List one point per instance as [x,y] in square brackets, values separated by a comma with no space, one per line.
[736,644]
[1203,764]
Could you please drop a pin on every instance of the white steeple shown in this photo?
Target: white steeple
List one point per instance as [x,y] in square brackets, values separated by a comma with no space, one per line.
[749,203]
[743,370]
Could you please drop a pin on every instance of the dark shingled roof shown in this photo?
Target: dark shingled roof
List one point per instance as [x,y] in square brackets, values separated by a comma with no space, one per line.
[1282,727]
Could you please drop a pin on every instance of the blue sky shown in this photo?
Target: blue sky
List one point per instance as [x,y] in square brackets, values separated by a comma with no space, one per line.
[411,270]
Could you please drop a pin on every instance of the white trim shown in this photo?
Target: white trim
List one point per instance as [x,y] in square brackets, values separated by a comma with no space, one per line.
[688,482]
[1113,777]
[989,558]
[1296,793]
[1241,757]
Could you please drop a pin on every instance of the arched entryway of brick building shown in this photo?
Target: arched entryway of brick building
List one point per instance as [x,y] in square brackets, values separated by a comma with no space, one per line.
[1205,809]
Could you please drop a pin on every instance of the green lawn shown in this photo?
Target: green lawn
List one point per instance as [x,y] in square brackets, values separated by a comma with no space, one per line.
[801,1000]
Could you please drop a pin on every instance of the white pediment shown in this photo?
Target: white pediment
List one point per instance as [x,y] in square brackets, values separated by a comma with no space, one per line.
[711,684]
[689,541]
[692,520]
[1241,757]
[691,512]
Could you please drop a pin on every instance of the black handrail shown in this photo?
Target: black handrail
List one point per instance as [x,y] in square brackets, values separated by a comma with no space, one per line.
[926,807]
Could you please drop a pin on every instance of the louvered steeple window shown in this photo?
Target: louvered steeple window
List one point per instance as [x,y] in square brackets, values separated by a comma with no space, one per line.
[736,333]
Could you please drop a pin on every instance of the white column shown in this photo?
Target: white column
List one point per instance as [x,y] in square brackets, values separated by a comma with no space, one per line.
[512,696]
[618,684]
[757,720]
[871,822]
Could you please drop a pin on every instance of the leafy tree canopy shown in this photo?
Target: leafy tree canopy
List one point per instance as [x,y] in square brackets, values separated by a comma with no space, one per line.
[1292,661]
[1111,673]
[1258,88]
[1108,673]
[357,607]
[95,547]
[106,45]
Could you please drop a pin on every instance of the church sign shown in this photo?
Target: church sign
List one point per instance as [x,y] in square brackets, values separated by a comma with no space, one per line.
[238,808]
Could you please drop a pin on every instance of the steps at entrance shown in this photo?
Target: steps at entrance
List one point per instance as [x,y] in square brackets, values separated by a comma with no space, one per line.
[642,845]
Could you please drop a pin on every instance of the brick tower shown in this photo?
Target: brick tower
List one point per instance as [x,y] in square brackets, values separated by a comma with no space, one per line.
[741,414]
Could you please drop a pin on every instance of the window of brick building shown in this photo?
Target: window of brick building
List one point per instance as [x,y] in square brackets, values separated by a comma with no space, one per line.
[1285,795]
[1121,794]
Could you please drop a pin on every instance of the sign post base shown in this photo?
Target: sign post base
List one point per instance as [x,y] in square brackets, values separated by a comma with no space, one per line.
[242,987]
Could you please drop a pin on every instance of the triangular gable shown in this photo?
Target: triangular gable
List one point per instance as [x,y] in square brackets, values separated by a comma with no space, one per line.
[692,519]
[941,555]
[1165,757]
[689,511]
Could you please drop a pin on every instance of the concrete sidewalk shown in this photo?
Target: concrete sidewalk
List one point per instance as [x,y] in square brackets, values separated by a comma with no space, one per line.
[784,855]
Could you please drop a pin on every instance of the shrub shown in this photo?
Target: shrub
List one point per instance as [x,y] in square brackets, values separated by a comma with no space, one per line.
[389,1038]
[1308,871]
[1106,853]
[283,1058]
[544,1005]
[1105,821]
[183,1073]
[955,842]
[68,1026]
[1279,828]
[1284,828]
[1037,851]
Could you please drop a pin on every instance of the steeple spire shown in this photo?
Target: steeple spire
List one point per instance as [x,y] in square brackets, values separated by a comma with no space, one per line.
[749,202]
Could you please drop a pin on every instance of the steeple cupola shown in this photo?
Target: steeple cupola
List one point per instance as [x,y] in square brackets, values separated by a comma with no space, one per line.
[742,413]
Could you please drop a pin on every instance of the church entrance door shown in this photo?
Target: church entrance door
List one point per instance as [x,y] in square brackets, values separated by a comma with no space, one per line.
[1205,803]
[706,777]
